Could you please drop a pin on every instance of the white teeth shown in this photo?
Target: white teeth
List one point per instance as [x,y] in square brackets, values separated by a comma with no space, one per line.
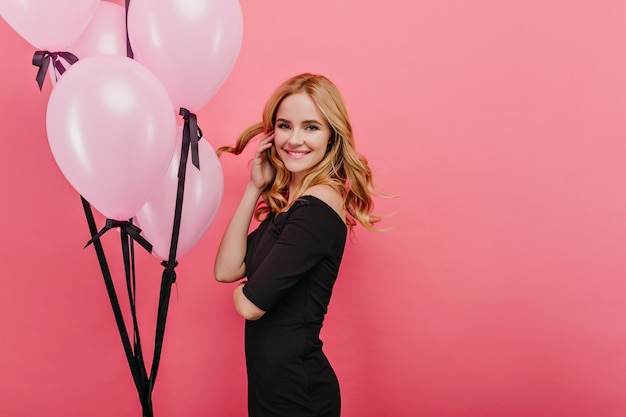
[297,153]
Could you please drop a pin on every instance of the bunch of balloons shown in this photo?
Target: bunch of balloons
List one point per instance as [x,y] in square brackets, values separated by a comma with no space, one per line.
[112,120]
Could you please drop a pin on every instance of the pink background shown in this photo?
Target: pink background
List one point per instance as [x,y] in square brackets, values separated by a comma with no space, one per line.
[501,289]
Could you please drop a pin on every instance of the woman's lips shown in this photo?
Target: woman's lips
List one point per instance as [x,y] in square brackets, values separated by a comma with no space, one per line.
[296,154]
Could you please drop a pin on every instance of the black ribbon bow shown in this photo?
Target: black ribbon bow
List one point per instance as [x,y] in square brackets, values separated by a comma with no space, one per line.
[126,227]
[42,60]
[191,134]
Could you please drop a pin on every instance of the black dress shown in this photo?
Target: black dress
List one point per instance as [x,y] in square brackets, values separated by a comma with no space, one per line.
[292,262]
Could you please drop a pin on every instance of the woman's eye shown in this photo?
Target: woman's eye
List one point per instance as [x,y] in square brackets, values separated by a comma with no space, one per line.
[283,126]
[312,127]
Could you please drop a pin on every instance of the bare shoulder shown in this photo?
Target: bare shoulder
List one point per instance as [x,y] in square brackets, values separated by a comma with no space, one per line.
[329,196]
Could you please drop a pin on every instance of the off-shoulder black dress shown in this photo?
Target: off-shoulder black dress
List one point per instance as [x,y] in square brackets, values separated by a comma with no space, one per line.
[292,263]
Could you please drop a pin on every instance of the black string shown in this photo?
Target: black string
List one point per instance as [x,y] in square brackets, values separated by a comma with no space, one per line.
[169,274]
[129,49]
[128,251]
[135,362]
[131,233]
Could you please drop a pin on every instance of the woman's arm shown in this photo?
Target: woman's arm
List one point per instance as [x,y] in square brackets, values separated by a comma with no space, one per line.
[246,308]
[229,262]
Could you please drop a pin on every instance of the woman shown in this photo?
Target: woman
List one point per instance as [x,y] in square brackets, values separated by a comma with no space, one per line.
[314,186]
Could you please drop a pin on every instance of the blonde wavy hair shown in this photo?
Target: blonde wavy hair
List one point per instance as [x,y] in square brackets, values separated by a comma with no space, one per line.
[342,167]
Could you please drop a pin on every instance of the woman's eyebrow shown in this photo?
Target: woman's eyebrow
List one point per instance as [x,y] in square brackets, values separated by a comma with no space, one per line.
[308,122]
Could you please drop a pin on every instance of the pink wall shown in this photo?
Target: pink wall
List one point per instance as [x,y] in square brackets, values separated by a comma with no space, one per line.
[501,290]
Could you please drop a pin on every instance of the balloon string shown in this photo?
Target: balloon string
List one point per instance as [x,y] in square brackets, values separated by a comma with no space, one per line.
[169,274]
[133,356]
[129,49]
[128,252]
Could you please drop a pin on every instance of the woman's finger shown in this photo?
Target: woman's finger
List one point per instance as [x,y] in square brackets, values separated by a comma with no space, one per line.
[269,137]
[265,144]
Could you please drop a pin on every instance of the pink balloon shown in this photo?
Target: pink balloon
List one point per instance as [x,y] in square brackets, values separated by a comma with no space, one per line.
[112,131]
[105,34]
[201,201]
[50,25]
[190,45]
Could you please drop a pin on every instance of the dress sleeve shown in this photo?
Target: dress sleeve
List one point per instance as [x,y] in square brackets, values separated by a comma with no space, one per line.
[306,238]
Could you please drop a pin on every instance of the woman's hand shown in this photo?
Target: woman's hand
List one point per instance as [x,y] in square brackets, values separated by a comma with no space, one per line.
[262,172]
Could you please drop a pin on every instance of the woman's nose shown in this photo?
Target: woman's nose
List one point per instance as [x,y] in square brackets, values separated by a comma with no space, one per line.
[296,137]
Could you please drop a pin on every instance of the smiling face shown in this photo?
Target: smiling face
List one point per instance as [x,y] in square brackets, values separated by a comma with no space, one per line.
[301,134]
